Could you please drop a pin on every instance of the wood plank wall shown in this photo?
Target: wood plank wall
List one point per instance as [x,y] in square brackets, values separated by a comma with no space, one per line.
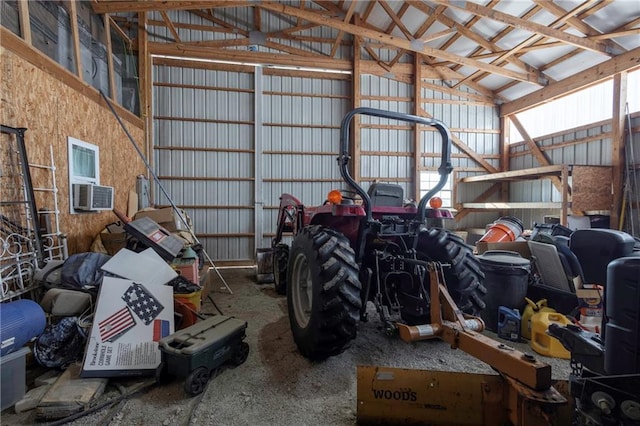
[51,111]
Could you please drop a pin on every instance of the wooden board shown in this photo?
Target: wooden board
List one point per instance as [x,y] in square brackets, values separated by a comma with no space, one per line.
[591,188]
[51,111]
[70,394]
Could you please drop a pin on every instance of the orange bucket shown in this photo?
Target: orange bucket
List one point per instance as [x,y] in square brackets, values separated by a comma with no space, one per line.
[507,228]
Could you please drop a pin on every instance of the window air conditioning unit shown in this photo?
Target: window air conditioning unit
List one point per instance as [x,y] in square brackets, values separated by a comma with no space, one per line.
[89,197]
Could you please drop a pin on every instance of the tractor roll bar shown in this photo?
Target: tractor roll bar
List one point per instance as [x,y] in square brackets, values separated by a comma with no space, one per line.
[445,166]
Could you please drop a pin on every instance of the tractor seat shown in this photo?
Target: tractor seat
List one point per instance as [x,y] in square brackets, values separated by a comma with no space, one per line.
[595,248]
[386,195]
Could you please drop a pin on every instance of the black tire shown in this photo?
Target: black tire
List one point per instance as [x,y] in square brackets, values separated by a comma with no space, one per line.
[464,277]
[280,261]
[197,381]
[324,317]
[241,355]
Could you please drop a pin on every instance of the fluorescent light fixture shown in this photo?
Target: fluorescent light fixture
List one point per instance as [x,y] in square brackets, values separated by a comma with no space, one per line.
[251,64]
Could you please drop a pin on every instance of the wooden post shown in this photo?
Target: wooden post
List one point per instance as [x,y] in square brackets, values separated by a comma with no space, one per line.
[417,107]
[25,24]
[112,72]
[617,145]
[146,85]
[75,33]
[357,100]
[505,140]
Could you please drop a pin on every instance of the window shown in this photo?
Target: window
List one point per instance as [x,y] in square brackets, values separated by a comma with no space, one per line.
[428,180]
[84,165]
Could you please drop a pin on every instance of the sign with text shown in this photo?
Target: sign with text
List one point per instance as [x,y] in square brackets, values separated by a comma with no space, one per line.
[129,320]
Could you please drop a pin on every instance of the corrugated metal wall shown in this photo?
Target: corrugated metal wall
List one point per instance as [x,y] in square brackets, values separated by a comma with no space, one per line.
[631,216]
[204,153]
[300,141]
[227,144]
[587,145]
[477,124]
[386,146]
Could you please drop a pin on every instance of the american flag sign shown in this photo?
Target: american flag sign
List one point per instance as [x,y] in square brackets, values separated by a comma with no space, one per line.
[116,325]
[142,303]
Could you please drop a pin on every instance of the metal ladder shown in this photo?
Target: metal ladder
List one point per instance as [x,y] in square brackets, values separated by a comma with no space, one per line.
[54,242]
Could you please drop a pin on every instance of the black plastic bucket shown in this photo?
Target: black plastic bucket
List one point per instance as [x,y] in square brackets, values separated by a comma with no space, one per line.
[622,331]
[506,280]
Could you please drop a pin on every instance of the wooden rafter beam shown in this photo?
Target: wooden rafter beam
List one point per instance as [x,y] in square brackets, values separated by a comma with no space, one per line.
[459,143]
[625,62]
[414,46]
[209,17]
[208,53]
[535,150]
[576,22]
[396,19]
[347,18]
[125,37]
[527,25]
[559,23]
[114,6]
[173,29]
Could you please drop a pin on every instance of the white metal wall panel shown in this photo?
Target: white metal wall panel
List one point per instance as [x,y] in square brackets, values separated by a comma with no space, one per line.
[204,154]
[568,150]
[301,140]
[379,136]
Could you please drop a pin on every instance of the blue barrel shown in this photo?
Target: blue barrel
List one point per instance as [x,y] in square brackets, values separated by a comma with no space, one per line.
[622,334]
[20,321]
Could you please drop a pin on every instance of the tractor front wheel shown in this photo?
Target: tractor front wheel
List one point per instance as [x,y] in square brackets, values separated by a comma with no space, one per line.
[280,261]
[323,293]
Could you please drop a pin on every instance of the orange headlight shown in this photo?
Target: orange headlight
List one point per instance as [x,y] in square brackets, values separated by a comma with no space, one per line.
[435,202]
[335,196]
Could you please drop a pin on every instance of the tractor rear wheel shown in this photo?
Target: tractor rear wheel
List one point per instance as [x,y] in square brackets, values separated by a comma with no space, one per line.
[464,277]
[323,294]
[280,261]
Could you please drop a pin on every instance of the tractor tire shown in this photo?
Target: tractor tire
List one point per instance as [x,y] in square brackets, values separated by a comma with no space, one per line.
[280,261]
[464,278]
[323,294]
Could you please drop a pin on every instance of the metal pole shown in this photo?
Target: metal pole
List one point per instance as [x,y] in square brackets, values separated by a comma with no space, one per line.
[166,194]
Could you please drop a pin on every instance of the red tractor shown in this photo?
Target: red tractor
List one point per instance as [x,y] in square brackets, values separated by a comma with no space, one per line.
[362,246]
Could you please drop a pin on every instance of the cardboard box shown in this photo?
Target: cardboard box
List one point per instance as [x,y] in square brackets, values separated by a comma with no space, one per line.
[166,217]
[113,242]
[590,301]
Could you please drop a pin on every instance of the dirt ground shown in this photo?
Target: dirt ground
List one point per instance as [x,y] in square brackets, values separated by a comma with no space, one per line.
[276,385]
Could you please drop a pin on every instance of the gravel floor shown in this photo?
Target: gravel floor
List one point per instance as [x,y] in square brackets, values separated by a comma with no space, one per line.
[276,386]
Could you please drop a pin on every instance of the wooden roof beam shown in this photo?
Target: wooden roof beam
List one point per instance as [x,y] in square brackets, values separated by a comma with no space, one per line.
[522,24]
[396,20]
[415,45]
[173,30]
[462,146]
[465,30]
[115,6]
[625,62]
[577,23]
[208,53]
[535,150]
[531,40]
[347,18]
